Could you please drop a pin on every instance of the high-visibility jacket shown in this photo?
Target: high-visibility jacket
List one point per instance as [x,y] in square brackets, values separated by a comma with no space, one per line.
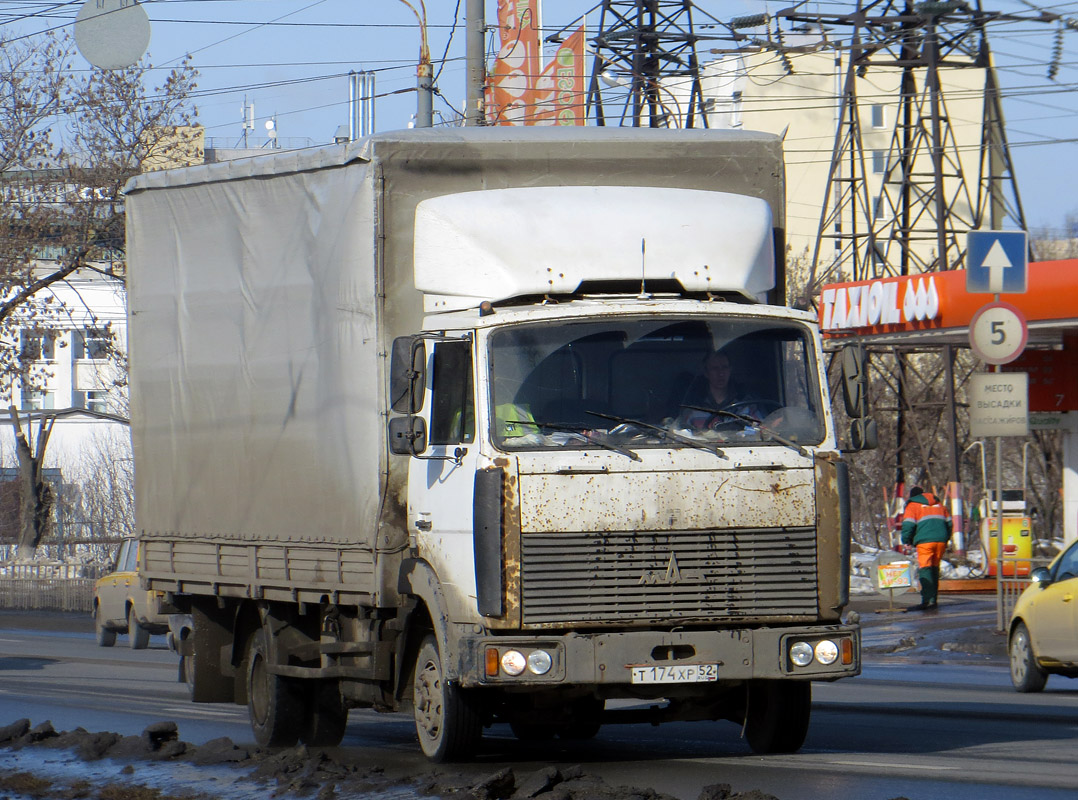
[925,520]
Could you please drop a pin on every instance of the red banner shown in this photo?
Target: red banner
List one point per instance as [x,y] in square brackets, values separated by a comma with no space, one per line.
[511,87]
[559,92]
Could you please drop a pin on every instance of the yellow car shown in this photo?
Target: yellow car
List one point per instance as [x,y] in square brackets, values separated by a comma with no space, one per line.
[1042,635]
[121,605]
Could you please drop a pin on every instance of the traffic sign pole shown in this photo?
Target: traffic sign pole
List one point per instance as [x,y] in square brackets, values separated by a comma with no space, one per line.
[997,262]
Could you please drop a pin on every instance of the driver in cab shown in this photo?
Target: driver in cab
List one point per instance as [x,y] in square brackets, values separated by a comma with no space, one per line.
[717,391]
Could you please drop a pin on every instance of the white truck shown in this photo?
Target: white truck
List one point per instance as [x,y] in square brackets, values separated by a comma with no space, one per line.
[411,432]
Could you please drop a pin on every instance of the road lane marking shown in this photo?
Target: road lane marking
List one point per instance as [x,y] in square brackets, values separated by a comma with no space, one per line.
[204,712]
[886,765]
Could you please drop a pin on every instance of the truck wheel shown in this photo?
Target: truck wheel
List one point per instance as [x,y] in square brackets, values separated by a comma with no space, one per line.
[587,719]
[106,637]
[187,669]
[137,636]
[275,705]
[777,717]
[446,720]
[1026,674]
[329,716]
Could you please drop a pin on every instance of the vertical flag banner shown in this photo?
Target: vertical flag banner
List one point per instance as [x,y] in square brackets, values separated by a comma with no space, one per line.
[510,99]
[559,91]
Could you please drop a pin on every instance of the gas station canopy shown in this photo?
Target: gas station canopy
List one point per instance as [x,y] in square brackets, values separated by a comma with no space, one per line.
[934,308]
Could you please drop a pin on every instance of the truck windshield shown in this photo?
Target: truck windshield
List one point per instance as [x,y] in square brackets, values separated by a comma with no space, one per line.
[634,383]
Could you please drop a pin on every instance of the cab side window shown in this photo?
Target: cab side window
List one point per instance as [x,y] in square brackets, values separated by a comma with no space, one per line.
[130,562]
[1068,565]
[452,414]
[121,556]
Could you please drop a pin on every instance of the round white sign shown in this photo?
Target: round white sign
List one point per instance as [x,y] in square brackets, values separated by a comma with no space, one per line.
[112,34]
[997,333]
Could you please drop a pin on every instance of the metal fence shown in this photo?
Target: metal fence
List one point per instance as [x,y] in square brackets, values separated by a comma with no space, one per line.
[1012,583]
[47,594]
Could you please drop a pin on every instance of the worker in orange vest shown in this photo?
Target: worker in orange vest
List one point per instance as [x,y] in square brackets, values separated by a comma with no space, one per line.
[927,527]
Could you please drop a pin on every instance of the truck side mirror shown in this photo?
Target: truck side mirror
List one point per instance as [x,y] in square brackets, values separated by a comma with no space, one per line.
[864,434]
[407,375]
[407,435]
[855,380]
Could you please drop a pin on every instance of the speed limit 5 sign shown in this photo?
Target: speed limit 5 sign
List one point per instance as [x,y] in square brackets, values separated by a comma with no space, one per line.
[997,333]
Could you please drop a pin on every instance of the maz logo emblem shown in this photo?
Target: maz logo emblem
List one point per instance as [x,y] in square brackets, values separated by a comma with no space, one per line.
[672,575]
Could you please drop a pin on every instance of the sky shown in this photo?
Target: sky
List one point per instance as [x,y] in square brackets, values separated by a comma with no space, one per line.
[291,59]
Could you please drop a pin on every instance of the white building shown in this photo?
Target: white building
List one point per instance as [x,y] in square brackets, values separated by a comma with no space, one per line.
[81,384]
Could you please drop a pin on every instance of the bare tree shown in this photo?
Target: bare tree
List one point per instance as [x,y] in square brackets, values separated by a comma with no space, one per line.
[103,507]
[68,143]
[1050,245]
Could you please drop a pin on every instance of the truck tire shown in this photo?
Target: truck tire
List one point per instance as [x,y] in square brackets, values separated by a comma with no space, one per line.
[329,716]
[106,637]
[137,636]
[186,674]
[587,720]
[446,720]
[1026,674]
[276,707]
[777,716]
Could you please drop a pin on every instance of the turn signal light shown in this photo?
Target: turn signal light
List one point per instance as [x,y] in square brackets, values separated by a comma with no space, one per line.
[492,662]
[847,651]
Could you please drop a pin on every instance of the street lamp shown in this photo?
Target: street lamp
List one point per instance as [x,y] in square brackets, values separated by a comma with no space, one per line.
[424,115]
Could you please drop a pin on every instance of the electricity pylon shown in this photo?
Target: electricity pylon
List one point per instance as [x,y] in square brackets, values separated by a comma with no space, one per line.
[643,47]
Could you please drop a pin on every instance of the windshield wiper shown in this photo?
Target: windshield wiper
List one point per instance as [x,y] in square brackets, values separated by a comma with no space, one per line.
[765,432]
[666,434]
[584,434]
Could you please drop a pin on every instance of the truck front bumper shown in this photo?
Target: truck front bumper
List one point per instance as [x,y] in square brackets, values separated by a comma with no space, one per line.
[658,657]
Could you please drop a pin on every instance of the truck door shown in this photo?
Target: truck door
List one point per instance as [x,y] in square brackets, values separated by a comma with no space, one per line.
[441,482]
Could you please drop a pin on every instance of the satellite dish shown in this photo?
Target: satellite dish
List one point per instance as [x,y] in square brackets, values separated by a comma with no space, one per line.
[112,34]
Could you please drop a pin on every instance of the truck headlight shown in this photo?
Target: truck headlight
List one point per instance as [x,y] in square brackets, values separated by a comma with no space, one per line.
[513,662]
[826,652]
[539,662]
[801,654]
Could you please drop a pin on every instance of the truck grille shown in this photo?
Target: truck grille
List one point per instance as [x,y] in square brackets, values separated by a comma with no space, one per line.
[668,575]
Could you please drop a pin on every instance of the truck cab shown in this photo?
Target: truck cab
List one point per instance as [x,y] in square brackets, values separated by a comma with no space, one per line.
[601,520]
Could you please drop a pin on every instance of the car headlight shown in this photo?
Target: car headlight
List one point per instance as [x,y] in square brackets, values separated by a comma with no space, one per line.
[801,654]
[826,652]
[539,662]
[513,662]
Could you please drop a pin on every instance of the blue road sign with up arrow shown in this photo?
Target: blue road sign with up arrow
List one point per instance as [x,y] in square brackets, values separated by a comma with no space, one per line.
[996,262]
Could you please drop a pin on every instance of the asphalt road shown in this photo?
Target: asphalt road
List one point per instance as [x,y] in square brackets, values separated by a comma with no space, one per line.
[922,722]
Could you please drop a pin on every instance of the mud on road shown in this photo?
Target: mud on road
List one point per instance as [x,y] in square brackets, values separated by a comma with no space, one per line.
[40,763]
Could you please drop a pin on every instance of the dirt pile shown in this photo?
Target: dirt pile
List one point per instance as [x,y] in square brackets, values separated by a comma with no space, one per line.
[293,772]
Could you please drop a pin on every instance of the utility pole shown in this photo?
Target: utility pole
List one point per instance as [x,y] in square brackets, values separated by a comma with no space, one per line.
[475,51]
[424,106]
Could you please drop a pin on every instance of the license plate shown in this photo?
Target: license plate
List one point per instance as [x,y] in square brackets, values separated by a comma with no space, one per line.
[682,673]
